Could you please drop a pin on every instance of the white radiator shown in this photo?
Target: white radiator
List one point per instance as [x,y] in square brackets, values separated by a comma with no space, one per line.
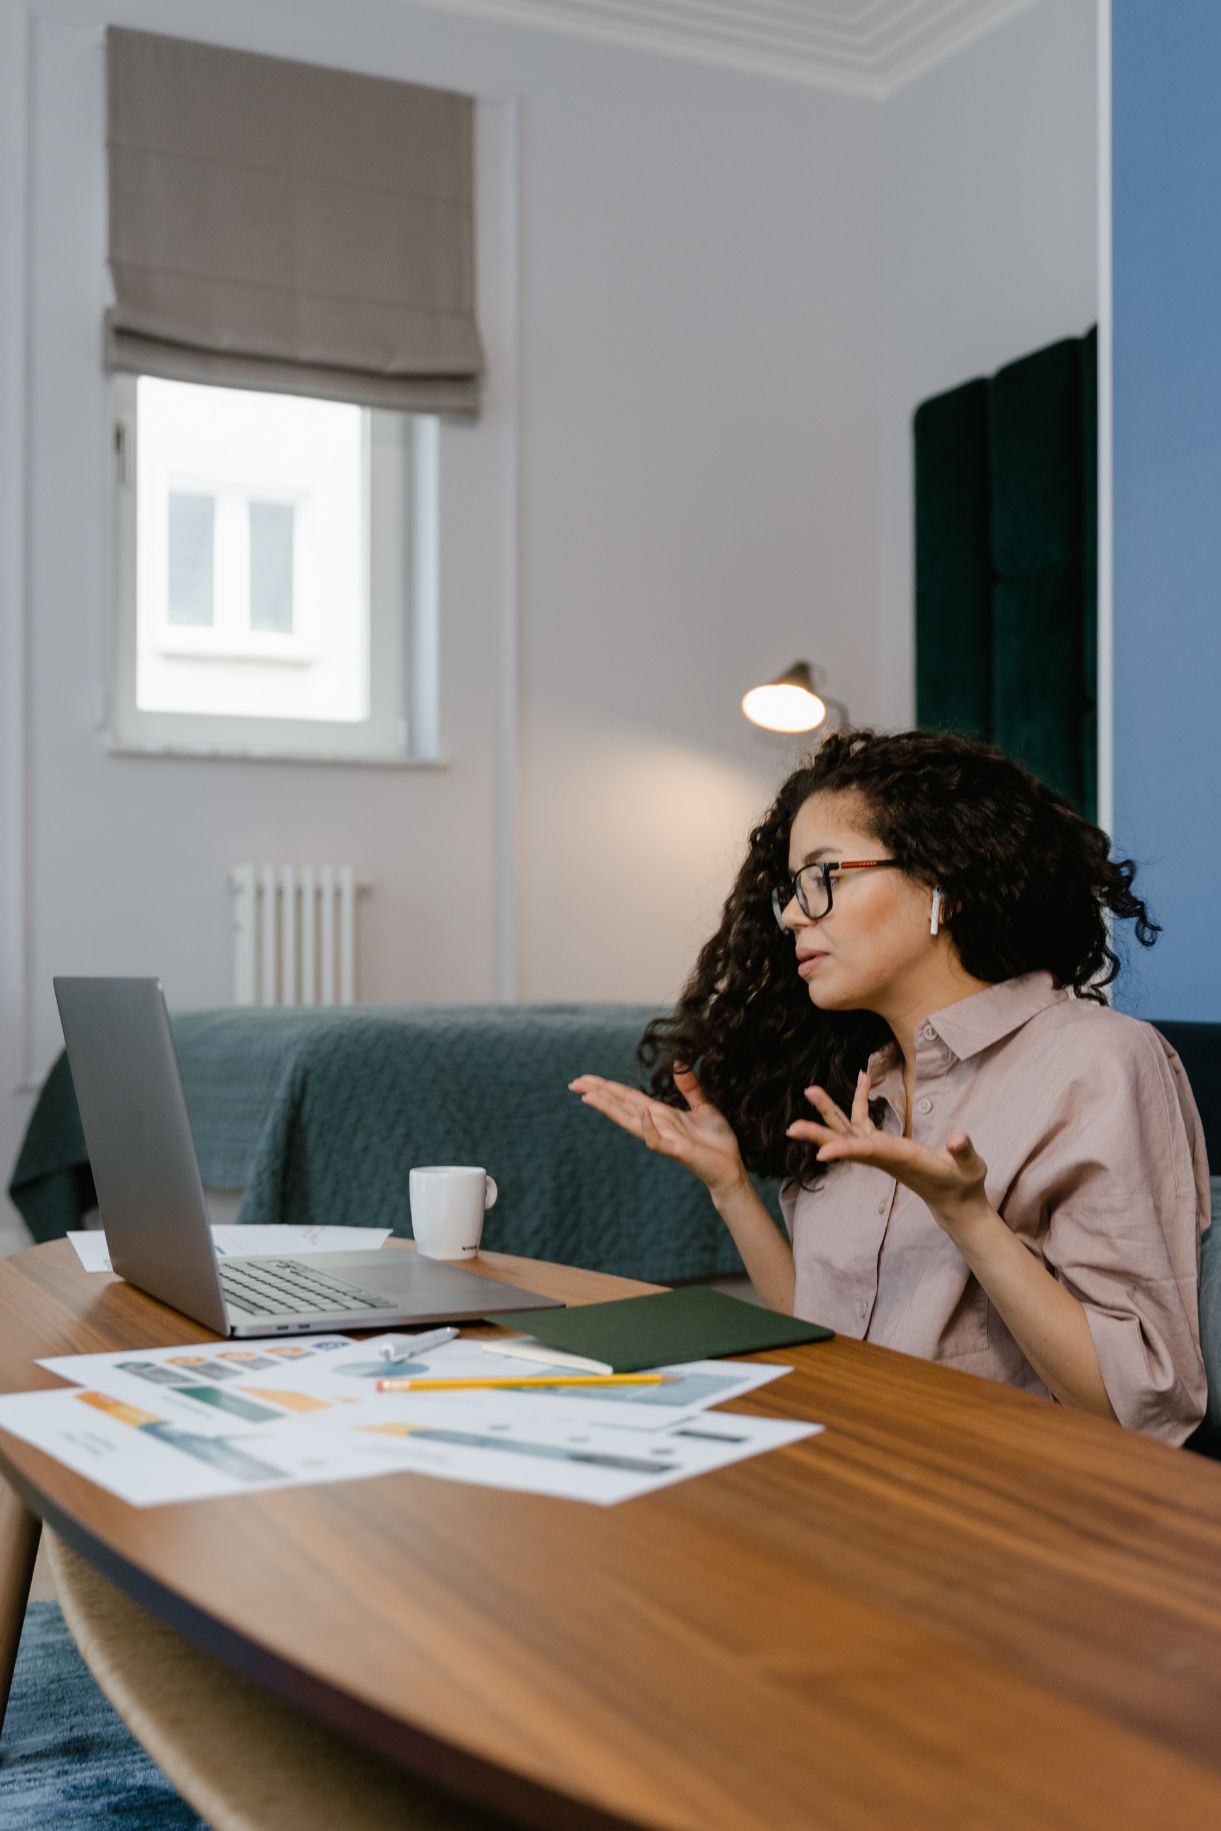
[294,934]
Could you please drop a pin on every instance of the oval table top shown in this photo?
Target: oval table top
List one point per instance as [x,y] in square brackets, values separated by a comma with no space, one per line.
[957,1606]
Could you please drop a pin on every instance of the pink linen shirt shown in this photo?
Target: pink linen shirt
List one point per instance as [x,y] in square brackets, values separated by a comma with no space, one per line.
[1096,1161]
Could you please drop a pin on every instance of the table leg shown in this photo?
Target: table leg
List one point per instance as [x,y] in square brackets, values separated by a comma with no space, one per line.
[19,1534]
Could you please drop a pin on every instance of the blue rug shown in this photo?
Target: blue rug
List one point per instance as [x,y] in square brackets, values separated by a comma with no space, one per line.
[67,1762]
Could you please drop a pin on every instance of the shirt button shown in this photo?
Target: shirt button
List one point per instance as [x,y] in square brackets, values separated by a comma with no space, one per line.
[927,1032]
[924,1104]
[862,1310]
[882,1207]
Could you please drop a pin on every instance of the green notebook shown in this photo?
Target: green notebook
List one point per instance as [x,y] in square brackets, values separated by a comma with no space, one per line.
[694,1324]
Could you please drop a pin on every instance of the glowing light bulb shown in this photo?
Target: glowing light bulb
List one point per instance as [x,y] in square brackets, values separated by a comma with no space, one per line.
[788,703]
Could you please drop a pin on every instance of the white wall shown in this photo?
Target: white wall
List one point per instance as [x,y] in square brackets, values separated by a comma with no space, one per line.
[670,495]
[989,249]
[699,456]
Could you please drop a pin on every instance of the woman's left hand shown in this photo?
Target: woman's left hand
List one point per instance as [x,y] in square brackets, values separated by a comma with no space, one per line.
[949,1181]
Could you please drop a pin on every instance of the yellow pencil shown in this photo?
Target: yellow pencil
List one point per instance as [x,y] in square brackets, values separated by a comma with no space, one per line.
[559,1379]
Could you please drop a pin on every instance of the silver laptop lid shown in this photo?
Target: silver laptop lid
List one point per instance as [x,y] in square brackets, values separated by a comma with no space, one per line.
[138,1135]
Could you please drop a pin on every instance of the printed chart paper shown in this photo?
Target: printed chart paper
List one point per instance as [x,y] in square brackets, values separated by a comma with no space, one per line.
[186,1423]
[135,1455]
[258,1381]
[695,1384]
[499,1448]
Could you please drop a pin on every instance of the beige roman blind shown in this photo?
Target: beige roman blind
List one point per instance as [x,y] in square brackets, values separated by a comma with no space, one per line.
[287,227]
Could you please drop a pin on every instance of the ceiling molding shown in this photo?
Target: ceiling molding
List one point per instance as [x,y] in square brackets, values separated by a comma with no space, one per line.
[865,48]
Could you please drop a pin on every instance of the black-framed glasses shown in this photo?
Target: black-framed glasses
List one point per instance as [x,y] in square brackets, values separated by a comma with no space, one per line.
[812,885]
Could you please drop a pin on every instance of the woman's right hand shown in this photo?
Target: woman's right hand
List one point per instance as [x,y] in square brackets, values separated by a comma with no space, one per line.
[701,1138]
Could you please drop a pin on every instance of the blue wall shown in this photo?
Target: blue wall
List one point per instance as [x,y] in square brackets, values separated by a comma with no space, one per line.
[1166,162]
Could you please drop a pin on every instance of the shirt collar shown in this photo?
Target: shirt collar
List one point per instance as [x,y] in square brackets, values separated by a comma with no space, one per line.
[987,1017]
[972,1024]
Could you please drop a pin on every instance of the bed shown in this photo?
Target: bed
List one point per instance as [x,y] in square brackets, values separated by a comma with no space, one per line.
[317,1116]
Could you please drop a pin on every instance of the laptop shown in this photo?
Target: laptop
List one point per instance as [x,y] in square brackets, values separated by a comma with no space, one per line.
[152,1203]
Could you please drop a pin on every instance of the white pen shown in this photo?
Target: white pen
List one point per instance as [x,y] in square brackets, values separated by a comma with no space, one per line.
[399,1345]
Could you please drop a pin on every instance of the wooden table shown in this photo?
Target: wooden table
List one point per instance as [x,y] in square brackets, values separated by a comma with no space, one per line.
[958,1606]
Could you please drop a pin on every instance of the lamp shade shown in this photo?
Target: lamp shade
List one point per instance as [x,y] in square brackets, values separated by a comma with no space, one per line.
[788,703]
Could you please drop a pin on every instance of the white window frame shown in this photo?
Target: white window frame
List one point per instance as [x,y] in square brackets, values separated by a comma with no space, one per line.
[401,455]
[226,638]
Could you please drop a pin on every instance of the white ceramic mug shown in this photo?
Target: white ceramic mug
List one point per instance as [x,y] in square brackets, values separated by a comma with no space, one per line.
[448,1203]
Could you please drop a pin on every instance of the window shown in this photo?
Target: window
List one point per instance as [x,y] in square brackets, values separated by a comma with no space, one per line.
[273,557]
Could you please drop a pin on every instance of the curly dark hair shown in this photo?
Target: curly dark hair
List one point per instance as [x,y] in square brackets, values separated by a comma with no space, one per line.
[1027,884]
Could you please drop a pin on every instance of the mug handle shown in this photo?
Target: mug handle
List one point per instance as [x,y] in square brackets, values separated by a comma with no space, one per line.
[490,1194]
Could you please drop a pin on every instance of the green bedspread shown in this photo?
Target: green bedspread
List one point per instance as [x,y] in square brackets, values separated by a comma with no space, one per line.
[319,1115]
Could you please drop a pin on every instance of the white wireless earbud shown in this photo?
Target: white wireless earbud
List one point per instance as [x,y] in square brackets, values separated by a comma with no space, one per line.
[935,924]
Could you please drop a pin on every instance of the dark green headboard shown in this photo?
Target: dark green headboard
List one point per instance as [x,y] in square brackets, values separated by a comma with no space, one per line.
[1006,562]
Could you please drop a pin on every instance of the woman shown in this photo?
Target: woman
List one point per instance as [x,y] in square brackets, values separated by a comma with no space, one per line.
[901,1015]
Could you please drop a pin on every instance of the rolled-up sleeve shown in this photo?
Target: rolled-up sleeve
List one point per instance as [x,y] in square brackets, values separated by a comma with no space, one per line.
[1125,1195]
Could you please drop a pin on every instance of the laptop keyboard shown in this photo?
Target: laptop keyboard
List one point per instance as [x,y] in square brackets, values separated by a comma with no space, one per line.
[272,1287]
